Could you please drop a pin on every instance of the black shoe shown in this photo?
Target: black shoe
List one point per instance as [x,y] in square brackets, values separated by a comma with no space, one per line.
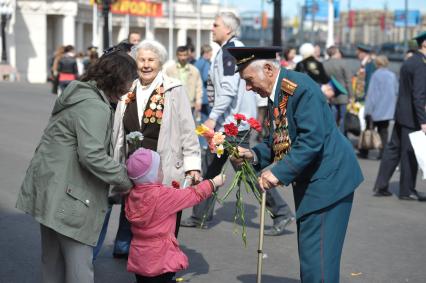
[120,255]
[192,223]
[278,228]
[362,155]
[382,193]
[409,197]
[420,196]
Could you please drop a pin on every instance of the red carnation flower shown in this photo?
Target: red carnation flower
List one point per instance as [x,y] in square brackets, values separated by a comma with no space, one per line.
[231,130]
[255,125]
[239,117]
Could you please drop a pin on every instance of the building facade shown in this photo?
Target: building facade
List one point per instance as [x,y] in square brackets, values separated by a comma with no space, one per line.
[38,28]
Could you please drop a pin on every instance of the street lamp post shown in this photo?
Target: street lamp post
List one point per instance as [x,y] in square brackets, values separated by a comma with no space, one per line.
[106,6]
[6,13]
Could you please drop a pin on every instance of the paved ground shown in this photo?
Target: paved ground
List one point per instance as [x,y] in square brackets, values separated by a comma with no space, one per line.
[385,242]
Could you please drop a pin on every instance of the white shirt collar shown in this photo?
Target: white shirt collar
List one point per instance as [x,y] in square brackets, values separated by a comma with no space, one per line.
[272,96]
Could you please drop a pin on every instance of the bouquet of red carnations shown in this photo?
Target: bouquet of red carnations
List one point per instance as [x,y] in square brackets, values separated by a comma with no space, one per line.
[220,142]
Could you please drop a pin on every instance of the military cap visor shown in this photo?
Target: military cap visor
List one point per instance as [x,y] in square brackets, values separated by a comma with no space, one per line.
[337,87]
[420,38]
[364,48]
[245,55]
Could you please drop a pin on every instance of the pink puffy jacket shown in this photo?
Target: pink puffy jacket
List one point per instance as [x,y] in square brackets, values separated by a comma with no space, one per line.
[151,209]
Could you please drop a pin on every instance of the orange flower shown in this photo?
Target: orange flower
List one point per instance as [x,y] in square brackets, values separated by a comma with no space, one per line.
[218,138]
[159,114]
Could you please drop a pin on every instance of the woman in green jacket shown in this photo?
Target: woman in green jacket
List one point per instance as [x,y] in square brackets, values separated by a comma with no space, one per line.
[66,184]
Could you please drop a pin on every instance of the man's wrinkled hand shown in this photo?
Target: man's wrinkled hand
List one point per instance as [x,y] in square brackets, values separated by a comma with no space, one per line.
[244,154]
[267,180]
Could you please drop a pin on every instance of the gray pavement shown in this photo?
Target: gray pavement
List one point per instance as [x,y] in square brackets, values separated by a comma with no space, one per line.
[385,242]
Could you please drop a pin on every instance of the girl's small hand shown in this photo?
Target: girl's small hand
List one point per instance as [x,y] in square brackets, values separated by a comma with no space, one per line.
[219,180]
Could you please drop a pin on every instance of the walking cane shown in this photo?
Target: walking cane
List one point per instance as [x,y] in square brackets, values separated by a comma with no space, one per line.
[260,246]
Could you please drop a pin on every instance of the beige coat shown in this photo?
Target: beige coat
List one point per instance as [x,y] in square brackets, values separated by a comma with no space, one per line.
[178,144]
[193,85]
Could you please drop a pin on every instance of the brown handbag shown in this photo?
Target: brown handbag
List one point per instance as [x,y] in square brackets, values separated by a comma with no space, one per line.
[370,139]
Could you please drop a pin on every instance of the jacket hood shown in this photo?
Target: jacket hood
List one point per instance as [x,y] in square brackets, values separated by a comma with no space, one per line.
[77,92]
[141,203]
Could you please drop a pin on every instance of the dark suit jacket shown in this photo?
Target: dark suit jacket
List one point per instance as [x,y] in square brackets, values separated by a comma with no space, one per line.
[321,163]
[410,108]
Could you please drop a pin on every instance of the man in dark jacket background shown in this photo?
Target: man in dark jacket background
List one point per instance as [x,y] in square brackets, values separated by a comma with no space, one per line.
[410,116]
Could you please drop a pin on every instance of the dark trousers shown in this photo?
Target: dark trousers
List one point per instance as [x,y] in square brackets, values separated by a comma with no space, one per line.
[275,203]
[163,278]
[320,237]
[124,233]
[382,129]
[398,149]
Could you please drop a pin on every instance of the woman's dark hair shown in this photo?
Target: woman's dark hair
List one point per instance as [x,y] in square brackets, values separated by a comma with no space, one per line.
[287,52]
[113,73]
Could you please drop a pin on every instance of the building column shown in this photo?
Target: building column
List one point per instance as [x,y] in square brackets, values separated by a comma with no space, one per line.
[32,60]
[149,28]
[68,30]
[80,38]
[181,36]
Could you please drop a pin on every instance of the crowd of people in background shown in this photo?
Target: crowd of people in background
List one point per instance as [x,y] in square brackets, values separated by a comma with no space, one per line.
[165,102]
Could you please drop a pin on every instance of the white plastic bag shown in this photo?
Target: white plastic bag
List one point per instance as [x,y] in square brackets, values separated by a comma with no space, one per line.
[418,141]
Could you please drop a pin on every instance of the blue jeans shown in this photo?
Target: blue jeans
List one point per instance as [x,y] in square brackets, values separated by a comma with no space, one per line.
[97,249]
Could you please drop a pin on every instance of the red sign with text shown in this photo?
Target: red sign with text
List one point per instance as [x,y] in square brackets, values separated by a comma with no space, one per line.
[138,8]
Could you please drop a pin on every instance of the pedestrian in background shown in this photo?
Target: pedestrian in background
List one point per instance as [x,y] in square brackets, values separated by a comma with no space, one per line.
[54,69]
[66,185]
[310,65]
[189,77]
[289,55]
[203,65]
[230,97]
[337,68]
[67,67]
[410,116]
[152,209]
[381,99]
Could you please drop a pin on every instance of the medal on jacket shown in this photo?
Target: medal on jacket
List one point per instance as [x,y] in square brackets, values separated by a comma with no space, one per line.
[281,138]
[154,110]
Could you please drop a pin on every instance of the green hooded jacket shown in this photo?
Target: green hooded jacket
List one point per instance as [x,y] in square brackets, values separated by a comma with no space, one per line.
[66,185]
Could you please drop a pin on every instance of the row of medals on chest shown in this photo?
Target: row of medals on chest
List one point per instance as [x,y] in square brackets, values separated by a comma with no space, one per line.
[154,111]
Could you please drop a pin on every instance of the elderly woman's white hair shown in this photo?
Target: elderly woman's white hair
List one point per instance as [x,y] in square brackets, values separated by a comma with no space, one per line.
[307,50]
[153,46]
[231,21]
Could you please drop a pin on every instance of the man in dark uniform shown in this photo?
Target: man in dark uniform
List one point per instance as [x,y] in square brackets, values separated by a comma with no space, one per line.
[305,149]
[410,116]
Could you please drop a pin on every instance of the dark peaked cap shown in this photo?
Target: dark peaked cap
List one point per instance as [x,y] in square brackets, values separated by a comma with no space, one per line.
[420,38]
[244,55]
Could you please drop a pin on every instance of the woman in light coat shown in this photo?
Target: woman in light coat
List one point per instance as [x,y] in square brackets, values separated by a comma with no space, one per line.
[66,185]
[381,99]
[158,107]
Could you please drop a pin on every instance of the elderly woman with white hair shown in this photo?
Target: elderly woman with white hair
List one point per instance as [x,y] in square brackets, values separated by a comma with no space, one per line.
[311,66]
[158,107]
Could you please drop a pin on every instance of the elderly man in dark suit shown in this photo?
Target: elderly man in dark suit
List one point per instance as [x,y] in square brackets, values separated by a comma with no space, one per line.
[336,67]
[410,116]
[304,149]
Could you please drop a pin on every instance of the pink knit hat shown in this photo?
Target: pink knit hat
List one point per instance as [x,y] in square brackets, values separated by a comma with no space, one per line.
[143,166]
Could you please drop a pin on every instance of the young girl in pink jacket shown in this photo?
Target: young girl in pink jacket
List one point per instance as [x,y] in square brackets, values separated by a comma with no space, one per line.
[151,208]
